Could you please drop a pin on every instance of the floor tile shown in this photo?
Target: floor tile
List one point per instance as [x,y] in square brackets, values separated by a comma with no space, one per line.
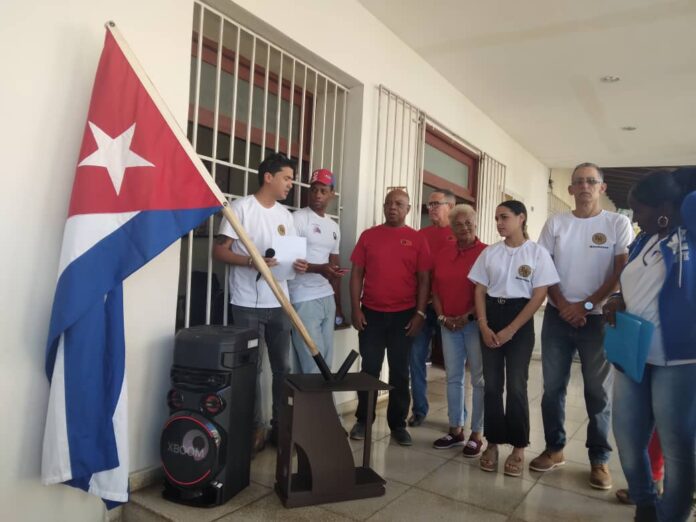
[549,504]
[270,508]
[400,463]
[365,508]
[417,505]
[465,483]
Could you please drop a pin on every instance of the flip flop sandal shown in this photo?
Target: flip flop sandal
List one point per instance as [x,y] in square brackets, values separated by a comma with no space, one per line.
[514,466]
[489,460]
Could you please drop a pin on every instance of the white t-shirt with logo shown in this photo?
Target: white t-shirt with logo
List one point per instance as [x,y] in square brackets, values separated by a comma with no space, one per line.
[323,238]
[583,250]
[261,225]
[513,272]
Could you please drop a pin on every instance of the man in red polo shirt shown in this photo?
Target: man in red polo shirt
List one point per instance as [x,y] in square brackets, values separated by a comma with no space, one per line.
[439,235]
[391,278]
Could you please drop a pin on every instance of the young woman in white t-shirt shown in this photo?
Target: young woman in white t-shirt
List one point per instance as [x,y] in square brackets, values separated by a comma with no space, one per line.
[511,278]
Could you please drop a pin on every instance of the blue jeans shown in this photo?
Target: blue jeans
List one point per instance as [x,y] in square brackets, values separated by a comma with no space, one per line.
[559,340]
[666,400]
[319,317]
[419,357]
[457,348]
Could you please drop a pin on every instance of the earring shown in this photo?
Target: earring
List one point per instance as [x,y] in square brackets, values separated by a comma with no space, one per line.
[663,222]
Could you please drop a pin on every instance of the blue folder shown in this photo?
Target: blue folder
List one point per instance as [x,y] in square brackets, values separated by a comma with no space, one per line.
[628,343]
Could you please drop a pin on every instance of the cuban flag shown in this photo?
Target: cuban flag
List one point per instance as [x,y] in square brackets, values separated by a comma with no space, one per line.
[138,188]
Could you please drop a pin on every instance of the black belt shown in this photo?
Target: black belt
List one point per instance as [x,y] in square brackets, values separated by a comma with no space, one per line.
[506,300]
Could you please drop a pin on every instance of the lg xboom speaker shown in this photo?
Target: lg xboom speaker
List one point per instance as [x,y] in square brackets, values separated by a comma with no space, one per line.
[206,442]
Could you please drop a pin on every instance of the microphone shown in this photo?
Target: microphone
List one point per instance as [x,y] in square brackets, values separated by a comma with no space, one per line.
[269,253]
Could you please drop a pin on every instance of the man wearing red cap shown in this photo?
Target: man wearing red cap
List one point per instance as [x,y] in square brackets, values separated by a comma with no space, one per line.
[316,293]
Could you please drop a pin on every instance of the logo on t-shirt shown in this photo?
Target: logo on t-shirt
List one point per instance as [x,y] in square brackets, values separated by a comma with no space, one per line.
[281,230]
[316,229]
[599,238]
[524,271]
[406,242]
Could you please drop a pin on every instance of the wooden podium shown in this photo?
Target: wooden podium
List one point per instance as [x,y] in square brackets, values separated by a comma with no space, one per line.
[309,425]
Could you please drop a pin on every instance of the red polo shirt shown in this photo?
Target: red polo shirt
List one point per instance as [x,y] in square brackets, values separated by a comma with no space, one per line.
[450,277]
[438,237]
[391,257]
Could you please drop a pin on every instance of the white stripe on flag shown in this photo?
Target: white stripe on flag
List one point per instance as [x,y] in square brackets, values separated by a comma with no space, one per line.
[113,484]
[55,461]
[83,231]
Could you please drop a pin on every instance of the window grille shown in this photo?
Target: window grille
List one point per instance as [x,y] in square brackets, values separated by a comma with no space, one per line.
[491,191]
[248,98]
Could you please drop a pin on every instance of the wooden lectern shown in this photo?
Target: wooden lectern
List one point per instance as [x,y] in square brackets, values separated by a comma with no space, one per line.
[309,425]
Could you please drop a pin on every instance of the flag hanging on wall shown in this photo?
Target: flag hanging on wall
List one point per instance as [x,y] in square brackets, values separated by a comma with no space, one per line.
[138,188]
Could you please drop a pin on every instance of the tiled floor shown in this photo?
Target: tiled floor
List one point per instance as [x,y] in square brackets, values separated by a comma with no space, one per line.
[428,484]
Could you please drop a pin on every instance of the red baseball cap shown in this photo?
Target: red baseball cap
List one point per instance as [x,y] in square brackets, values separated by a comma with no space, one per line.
[324,176]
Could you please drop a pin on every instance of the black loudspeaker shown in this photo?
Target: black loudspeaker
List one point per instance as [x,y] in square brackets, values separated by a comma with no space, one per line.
[206,443]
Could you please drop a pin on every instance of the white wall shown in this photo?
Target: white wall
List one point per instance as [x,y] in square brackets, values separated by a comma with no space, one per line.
[54,47]
[50,54]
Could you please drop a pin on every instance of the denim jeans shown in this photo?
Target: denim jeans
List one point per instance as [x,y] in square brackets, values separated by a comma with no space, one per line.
[457,348]
[319,317]
[506,368]
[274,334]
[419,357]
[387,331]
[559,340]
[665,400]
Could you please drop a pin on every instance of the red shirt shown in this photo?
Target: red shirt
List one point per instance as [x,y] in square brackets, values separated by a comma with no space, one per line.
[450,278]
[391,257]
[438,237]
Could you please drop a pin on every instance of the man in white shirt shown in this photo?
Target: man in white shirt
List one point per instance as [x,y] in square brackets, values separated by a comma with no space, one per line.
[589,247]
[316,293]
[253,302]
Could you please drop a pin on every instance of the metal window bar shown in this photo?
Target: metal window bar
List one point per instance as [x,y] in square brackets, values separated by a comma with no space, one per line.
[236,51]
[556,205]
[491,190]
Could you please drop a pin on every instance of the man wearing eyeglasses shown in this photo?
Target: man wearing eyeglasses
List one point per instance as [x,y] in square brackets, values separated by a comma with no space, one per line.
[439,234]
[389,286]
[589,247]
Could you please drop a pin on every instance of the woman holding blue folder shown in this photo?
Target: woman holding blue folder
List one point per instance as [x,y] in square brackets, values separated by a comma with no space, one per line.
[659,285]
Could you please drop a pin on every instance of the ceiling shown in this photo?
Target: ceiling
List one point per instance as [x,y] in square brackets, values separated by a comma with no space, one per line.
[534,67]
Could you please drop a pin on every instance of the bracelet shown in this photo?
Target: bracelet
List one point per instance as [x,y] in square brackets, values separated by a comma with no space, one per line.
[421,313]
[250,262]
[441,319]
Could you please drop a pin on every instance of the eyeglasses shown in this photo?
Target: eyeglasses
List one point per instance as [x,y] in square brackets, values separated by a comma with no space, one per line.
[590,181]
[434,204]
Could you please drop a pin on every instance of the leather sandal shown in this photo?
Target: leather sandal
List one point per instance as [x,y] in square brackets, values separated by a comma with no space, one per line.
[489,459]
[514,466]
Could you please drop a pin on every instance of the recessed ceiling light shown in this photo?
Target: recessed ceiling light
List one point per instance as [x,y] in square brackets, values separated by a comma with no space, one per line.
[628,128]
[610,79]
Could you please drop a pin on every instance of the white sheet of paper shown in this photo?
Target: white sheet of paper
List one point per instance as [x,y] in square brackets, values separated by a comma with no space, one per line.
[288,249]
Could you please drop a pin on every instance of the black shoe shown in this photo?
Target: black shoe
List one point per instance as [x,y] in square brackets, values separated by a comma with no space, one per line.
[358,431]
[402,437]
[416,420]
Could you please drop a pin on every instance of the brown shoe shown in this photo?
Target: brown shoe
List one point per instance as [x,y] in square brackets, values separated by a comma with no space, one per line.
[600,478]
[622,496]
[547,461]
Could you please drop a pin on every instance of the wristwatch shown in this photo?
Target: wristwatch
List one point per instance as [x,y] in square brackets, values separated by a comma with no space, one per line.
[441,319]
[588,306]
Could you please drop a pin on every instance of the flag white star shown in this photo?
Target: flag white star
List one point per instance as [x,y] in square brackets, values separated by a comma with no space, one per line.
[114,154]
